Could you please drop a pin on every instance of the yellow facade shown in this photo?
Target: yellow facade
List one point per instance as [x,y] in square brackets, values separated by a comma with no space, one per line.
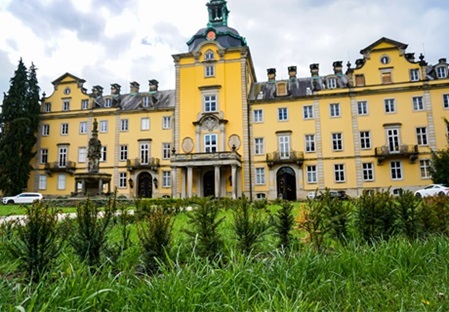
[221,133]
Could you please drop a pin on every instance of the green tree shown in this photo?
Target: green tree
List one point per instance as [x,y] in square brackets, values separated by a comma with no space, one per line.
[19,122]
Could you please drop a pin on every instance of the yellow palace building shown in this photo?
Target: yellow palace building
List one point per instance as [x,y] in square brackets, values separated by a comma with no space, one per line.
[221,133]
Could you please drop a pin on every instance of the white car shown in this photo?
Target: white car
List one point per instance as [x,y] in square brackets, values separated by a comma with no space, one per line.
[432,190]
[23,198]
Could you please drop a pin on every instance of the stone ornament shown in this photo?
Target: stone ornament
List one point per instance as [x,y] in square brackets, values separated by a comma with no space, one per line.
[234,142]
[187,145]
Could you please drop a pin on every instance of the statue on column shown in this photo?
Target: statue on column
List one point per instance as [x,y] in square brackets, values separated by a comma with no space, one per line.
[94,150]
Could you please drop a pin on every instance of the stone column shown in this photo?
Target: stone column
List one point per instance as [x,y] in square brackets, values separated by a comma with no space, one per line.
[174,188]
[234,180]
[189,182]
[100,186]
[217,182]
[183,183]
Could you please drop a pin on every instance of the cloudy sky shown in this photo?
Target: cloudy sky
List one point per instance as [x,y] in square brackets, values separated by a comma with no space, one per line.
[119,41]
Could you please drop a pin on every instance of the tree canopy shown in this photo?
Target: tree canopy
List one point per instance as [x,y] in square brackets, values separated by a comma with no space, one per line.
[19,122]
[440,164]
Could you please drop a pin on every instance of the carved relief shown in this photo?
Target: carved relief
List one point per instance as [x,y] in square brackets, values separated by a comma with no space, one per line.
[234,142]
[187,145]
[209,123]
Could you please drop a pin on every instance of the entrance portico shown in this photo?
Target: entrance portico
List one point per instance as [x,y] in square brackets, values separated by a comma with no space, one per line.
[207,174]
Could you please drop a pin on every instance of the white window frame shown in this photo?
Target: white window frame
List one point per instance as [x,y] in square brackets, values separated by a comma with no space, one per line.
[211,143]
[260,176]
[166,122]
[124,124]
[47,107]
[396,172]
[312,175]
[414,74]
[390,106]
[339,173]
[61,181]
[424,168]
[362,108]
[446,100]
[146,101]
[166,179]
[368,171]
[337,142]
[166,150]
[282,114]
[122,179]
[209,55]
[365,139]
[393,139]
[209,70]
[84,104]
[334,110]
[258,115]
[103,153]
[309,140]
[441,72]
[44,156]
[418,103]
[332,83]
[42,181]
[83,127]
[259,146]
[45,130]
[103,126]
[65,105]
[123,153]
[145,123]
[421,136]
[64,128]
[210,102]
[107,102]
[144,152]
[82,154]
[307,111]
[284,146]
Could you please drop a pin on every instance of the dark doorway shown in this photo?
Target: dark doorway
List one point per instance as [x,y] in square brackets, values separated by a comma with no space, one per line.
[286,183]
[145,186]
[209,184]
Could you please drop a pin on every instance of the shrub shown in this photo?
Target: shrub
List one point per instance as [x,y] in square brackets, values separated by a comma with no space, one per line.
[38,243]
[434,215]
[89,237]
[408,217]
[204,233]
[376,215]
[283,224]
[250,225]
[155,238]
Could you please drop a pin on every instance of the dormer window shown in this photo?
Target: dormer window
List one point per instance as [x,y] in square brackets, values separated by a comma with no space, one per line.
[146,101]
[281,89]
[108,102]
[331,83]
[209,56]
[66,105]
[441,72]
[386,76]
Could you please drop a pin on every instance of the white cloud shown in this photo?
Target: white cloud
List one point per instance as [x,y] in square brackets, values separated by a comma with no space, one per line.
[107,41]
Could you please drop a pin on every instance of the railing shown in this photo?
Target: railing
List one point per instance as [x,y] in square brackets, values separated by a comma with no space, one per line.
[137,163]
[56,166]
[277,157]
[401,151]
[208,156]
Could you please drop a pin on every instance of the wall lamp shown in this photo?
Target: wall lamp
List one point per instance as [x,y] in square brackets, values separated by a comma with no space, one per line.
[155,182]
[131,183]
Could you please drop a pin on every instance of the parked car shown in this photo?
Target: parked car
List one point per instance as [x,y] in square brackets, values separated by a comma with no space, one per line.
[23,198]
[432,190]
[332,193]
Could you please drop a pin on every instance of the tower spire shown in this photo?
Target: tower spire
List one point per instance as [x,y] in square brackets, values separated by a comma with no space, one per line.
[218,13]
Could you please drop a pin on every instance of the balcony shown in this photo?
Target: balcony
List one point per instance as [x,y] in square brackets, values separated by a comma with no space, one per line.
[207,159]
[56,166]
[294,157]
[403,151]
[137,163]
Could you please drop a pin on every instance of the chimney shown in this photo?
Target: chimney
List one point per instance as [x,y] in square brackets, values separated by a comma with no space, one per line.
[271,73]
[292,71]
[115,89]
[314,69]
[153,83]
[338,67]
[134,87]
